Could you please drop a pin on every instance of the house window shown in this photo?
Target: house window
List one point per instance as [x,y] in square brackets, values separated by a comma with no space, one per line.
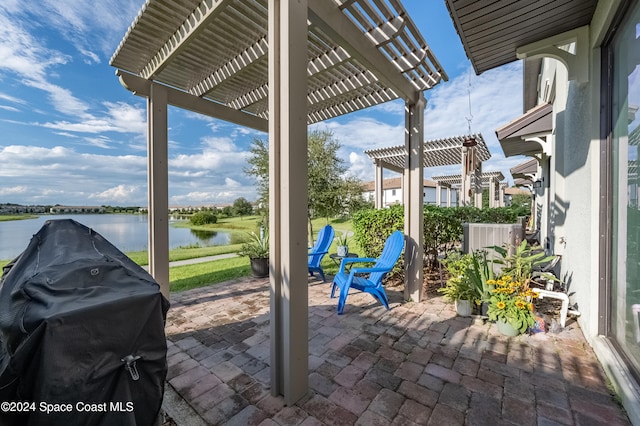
[393,192]
[624,325]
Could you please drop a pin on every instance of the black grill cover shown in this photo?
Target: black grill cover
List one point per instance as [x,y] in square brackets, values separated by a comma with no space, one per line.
[75,315]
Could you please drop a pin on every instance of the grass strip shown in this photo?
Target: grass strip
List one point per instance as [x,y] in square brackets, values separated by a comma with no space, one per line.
[186,277]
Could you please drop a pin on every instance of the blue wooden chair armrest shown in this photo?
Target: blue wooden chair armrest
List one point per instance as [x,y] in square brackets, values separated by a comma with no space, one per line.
[346,260]
[367,270]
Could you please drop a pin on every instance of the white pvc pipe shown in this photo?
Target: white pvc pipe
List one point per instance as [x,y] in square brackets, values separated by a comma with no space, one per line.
[556,295]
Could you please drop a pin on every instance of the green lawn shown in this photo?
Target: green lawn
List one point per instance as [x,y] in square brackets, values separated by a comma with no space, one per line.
[4,218]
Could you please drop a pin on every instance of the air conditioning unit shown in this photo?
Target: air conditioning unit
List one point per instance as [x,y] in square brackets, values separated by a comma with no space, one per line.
[477,236]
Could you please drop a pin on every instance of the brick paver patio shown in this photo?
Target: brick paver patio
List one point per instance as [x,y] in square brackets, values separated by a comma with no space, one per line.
[415,364]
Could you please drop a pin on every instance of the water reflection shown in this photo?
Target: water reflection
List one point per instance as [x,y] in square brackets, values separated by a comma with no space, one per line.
[204,236]
[127,232]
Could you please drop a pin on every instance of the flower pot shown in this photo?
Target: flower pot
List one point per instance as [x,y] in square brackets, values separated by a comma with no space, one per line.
[507,329]
[343,251]
[260,267]
[463,307]
[481,309]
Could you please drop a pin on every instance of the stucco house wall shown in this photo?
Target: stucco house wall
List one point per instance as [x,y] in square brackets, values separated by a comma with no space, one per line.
[575,213]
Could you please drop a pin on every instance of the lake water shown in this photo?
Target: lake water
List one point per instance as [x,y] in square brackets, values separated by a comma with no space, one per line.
[125,231]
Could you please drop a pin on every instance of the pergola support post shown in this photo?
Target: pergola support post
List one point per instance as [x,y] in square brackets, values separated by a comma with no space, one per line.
[413,187]
[158,191]
[438,195]
[379,189]
[288,199]
[492,192]
[477,185]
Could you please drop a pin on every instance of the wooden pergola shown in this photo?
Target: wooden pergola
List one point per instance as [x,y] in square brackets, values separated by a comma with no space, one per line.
[437,152]
[277,66]
[490,180]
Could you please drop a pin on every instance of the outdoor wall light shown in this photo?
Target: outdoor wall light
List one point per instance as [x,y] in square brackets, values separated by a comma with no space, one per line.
[537,184]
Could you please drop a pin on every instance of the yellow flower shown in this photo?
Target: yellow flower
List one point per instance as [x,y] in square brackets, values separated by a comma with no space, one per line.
[520,304]
[500,305]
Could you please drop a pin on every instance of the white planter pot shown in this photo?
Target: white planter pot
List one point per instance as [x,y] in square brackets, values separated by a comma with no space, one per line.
[463,307]
[343,251]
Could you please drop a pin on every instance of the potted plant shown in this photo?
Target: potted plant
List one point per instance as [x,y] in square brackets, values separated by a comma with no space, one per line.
[257,249]
[523,262]
[343,247]
[459,288]
[480,272]
[510,305]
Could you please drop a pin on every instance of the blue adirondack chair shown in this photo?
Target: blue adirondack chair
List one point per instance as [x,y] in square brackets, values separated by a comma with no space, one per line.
[345,280]
[321,247]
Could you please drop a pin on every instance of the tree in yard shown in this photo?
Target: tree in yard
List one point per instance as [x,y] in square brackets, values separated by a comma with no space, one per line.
[242,207]
[259,169]
[331,192]
[521,203]
[203,218]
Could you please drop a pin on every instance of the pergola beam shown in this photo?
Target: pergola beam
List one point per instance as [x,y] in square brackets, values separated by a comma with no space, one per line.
[141,87]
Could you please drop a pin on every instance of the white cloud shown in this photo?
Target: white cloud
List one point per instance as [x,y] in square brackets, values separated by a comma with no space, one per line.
[17,190]
[13,99]
[118,117]
[9,108]
[496,98]
[121,194]
[363,133]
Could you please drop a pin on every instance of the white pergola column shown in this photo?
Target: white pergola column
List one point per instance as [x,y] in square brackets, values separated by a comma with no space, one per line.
[379,190]
[158,175]
[492,192]
[477,185]
[413,185]
[288,199]
[438,194]
[449,196]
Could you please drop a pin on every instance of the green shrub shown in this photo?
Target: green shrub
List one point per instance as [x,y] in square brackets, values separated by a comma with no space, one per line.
[371,229]
[203,218]
[442,227]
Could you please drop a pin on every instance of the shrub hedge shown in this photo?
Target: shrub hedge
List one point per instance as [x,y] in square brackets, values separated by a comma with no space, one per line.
[442,227]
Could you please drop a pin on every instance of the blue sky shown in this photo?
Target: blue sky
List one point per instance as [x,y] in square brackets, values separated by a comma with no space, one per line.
[71,134]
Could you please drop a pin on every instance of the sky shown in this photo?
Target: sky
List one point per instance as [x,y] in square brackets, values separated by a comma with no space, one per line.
[71,134]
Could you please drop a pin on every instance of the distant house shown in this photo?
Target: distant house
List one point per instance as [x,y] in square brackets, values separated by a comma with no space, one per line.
[76,209]
[511,191]
[392,192]
[18,209]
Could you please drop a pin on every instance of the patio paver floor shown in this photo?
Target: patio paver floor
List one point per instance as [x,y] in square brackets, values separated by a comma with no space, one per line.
[416,364]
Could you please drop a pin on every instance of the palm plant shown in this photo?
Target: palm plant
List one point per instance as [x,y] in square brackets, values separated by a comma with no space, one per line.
[480,272]
[523,262]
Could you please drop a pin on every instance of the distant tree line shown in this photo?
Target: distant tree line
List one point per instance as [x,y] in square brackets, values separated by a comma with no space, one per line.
[240,208]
